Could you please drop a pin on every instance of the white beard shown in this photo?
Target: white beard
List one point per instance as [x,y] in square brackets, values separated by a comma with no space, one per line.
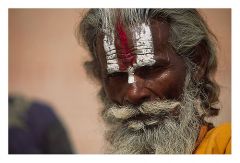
[162,133]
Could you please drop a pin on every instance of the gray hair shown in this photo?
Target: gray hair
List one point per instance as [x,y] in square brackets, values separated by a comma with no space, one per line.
[189,36]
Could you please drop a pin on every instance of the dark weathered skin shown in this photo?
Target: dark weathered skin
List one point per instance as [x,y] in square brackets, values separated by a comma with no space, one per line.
[164,80]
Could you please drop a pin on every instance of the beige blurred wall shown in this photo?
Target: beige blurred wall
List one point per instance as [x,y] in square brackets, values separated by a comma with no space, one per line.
[219,21]
[45,63]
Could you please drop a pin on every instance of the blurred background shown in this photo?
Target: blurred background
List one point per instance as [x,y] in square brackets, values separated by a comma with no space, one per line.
[46,63]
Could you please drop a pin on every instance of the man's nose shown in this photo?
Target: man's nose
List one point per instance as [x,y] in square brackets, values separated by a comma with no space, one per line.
[137,92]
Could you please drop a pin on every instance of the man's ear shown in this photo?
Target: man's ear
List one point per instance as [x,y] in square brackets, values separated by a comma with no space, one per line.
[201,58]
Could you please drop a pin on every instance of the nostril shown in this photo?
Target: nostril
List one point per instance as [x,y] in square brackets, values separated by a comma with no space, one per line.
[144,99]
[135,102]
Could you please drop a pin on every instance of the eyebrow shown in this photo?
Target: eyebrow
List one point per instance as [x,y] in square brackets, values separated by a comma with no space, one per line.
[161,61]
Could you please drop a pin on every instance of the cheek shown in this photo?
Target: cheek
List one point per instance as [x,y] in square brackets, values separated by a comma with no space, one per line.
[169,84]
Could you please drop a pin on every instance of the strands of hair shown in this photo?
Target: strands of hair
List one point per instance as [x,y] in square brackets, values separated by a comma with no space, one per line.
[187,26]
[187,31]
[171,134]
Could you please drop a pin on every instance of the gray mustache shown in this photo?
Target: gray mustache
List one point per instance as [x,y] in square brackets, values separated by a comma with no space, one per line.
[119,113]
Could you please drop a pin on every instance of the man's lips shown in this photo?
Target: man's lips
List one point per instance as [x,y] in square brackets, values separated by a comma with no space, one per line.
[139,117]
[143,117]
[139,122]
[151,117]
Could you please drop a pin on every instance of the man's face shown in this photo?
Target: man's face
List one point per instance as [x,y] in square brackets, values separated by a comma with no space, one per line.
[164,79]
[154,113]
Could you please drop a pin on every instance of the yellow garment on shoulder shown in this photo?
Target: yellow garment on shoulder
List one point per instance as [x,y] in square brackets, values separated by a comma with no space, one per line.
[216,141]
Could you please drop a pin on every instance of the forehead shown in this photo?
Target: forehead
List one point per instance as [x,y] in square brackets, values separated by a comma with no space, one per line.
[132,46]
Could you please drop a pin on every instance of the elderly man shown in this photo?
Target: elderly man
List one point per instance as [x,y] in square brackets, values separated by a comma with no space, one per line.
[156,68]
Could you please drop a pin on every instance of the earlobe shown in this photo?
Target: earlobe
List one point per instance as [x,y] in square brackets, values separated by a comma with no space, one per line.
[201,57]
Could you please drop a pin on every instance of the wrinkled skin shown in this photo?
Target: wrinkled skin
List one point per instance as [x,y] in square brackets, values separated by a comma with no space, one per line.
[164,80]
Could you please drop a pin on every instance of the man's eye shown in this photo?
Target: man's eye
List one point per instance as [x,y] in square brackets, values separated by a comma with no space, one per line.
[153,68]
[117,74]
[148,71]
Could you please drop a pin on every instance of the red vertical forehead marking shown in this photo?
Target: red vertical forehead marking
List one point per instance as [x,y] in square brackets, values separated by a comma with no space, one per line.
[125,58]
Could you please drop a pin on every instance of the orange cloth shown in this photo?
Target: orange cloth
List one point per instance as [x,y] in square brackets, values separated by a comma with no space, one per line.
[216,141]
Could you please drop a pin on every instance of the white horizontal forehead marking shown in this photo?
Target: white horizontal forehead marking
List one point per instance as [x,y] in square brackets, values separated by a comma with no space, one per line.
[111,55]
[143,43]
